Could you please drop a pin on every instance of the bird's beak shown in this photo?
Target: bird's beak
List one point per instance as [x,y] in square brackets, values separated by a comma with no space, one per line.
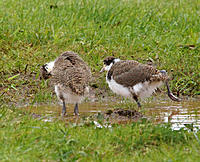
[43,73]
[103,69]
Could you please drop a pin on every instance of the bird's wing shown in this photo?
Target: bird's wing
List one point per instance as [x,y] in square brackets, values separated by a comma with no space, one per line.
[130,72]
[71,72]
[70,59]
[71,78]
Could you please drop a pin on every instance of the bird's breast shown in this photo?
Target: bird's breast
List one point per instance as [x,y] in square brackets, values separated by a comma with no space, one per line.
[118,88]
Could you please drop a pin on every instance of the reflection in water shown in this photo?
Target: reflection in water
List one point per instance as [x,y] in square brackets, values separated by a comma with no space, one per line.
[84,108]
[184,115]
[181,115]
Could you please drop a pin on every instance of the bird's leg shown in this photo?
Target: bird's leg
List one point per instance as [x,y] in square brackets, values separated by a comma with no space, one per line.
[135,97]
[63,108]
[137,101]
[76,109]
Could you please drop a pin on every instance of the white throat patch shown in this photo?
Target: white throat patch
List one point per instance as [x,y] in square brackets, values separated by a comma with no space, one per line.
[117,60]
[49,66]
[107,68]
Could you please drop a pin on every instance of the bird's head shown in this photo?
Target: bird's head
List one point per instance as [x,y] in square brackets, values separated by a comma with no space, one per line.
[108,62]
[46,69]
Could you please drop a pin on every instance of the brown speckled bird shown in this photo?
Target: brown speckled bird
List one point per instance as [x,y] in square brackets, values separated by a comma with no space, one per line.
[130,78]
[70,75]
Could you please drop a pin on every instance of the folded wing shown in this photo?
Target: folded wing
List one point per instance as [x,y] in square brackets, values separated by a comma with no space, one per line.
[129,73]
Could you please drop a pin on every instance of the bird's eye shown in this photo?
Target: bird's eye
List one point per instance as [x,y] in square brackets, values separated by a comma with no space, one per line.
[45,66]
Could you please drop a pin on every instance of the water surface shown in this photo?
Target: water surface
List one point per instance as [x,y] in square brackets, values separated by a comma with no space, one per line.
[180,114]
[185,114]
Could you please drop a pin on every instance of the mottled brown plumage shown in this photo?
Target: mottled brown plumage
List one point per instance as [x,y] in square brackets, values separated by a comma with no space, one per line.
[71,76]
[71,72]
[130,78]
[130,72]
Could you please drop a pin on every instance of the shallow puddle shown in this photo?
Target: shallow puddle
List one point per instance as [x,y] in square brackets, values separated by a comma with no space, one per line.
[49,112]
[181,114]
[84,108]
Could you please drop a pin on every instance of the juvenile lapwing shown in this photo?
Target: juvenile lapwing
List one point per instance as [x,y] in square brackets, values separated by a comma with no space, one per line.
[70,76]
[130,78]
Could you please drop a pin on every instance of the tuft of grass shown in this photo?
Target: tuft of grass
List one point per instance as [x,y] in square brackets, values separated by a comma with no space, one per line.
[23,137]
[33,32]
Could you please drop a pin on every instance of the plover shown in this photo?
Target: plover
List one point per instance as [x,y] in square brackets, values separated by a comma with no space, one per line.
[70,75]
[130,78]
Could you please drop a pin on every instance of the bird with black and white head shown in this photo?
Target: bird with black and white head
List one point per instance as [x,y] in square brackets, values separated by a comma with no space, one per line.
[70,76]
[130,78]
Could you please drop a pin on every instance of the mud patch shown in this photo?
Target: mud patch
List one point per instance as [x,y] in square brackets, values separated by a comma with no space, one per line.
[116,116]
[123,115]
[126,113]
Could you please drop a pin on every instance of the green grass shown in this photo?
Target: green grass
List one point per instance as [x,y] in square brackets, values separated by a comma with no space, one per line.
[23,138]
[35,32]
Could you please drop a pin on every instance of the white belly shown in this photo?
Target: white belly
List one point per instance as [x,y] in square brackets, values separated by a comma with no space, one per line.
[118,88]
[68,96]
[146,89]
[142,90]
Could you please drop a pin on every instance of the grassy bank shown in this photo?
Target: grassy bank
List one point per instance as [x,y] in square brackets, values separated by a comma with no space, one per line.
[165,33]
[33,32]
[24,138]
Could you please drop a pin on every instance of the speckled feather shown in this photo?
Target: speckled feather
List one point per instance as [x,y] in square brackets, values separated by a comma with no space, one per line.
[129,73]
[70,71]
